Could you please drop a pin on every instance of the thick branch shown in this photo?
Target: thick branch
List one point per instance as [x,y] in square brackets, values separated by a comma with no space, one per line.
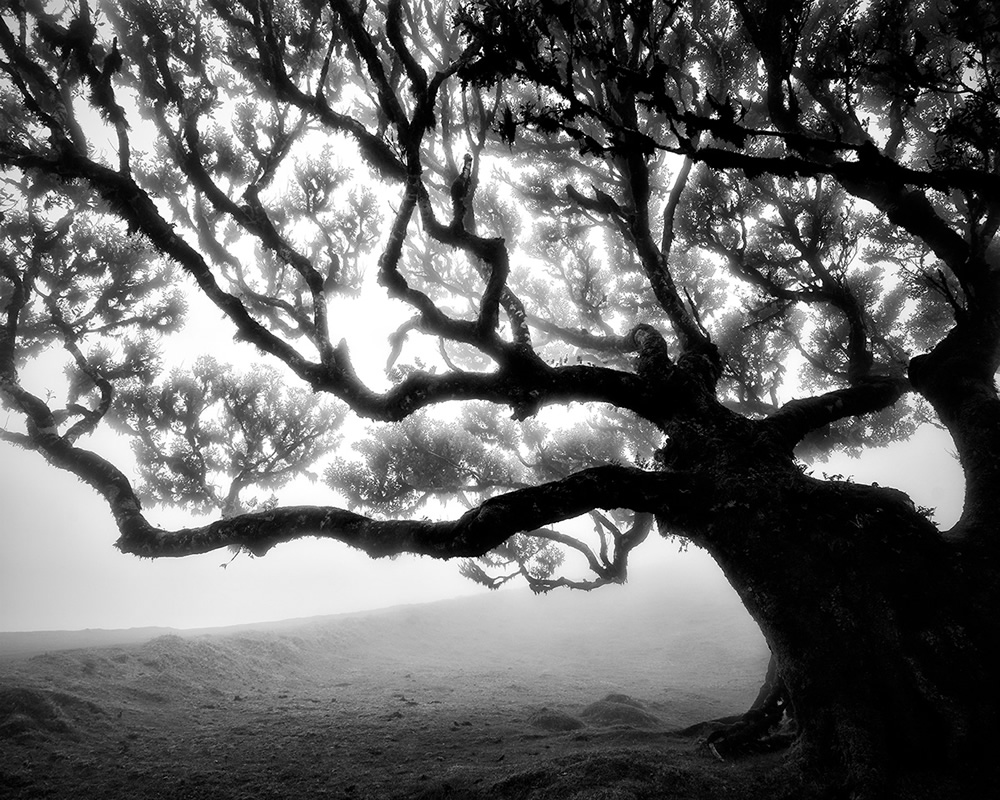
[610,344]
[432,319]
[493,252]
[525,383]
[473,534]
[394,32]
[365,46]
[794,420]
[655,265]
[958,377]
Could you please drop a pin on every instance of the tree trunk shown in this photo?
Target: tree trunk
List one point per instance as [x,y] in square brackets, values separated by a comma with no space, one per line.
[958,378]
[886,647]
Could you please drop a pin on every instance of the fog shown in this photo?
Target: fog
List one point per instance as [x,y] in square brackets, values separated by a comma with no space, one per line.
[503,687]
[60,571]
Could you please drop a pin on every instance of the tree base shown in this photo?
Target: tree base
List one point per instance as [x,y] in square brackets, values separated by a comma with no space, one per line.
[750,734]
[766,727]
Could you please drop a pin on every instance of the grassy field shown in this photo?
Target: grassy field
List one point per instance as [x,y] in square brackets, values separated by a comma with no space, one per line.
[500,696]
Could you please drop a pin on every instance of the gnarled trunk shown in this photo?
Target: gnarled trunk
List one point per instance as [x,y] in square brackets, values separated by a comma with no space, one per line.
[958,378]
[884,641]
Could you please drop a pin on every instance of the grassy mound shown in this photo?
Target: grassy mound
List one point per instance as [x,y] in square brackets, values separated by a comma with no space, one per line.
[550,719]
[32,712]
[619,709]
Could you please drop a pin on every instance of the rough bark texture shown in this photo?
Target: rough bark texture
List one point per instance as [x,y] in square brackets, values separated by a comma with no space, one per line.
[883,632]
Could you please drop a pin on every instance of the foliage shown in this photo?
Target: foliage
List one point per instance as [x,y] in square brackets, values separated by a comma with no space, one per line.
[679,243]
[204,436]
[272,139]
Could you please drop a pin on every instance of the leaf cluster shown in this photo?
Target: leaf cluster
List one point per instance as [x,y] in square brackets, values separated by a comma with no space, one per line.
[206,437]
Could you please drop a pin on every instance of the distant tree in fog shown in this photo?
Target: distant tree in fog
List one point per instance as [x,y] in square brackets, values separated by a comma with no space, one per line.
[634,260]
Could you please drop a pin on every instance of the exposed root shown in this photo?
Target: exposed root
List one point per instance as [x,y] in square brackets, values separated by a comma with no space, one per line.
[762,729]
[754,732]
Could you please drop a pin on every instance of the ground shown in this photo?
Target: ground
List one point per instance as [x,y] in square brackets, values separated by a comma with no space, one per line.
[506,696]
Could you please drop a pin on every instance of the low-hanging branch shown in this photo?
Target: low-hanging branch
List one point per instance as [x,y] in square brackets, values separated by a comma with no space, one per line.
[474,533]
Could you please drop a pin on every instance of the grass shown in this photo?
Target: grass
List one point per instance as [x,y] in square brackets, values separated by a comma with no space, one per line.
[501,696]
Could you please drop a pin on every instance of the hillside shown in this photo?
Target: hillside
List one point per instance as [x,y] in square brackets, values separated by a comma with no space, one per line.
[502,695]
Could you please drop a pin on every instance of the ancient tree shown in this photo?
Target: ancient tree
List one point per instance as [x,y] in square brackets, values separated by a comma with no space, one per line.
[640,260]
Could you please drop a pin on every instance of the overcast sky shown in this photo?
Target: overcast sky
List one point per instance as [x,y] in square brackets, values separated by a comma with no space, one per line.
[59,569]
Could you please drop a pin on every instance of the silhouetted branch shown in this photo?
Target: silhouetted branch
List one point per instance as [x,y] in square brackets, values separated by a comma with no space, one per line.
[795,419]
[474,533]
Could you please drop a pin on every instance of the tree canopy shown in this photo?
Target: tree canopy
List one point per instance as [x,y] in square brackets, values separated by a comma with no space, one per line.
[620,261]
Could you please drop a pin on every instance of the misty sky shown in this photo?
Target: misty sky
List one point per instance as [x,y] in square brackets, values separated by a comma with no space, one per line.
[59,569]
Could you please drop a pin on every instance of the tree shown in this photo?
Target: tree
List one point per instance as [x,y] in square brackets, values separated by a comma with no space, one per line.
[727,235]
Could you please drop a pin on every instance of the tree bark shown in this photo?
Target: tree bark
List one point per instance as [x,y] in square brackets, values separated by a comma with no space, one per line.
[887,652]
[958,378]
